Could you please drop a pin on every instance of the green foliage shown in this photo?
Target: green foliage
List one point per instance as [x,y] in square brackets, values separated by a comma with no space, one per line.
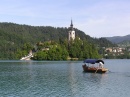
[25,49]
[16,40]
[55,52]
[76,49]
[82,49]
[102,42]
[41,55]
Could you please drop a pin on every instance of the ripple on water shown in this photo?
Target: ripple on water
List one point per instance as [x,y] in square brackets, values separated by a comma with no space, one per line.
[61,79]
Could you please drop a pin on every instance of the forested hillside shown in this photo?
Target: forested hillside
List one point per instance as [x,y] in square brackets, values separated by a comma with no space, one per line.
[118,39]
[14,36]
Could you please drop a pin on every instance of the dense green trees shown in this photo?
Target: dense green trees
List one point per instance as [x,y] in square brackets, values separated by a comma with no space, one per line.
[50,51]
[78,49]
[24,50]
[14,36]
[82,49]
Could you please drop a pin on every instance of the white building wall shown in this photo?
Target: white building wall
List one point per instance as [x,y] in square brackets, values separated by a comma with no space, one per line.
[71,35]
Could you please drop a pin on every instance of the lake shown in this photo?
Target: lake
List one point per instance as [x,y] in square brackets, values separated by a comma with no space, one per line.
[63,79]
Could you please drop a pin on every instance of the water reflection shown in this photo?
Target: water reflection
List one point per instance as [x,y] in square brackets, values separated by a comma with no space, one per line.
[94,79]
[60,79]
[72,79]
[84,82]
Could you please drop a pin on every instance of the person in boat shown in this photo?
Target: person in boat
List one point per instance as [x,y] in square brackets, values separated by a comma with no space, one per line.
[85,65]
[101,65]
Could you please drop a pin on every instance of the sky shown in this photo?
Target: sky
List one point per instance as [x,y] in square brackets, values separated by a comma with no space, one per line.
[97,18]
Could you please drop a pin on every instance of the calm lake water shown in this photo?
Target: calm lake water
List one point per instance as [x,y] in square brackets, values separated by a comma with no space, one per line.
[63,79]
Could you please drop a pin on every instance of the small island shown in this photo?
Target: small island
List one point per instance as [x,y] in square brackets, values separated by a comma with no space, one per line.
[72,48]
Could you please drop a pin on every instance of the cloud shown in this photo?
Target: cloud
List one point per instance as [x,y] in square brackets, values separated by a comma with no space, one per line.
[97,18]
[106,19]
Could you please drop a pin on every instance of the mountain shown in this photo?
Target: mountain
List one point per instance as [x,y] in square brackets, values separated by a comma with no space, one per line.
[118,39]
[24,33]
[14,36]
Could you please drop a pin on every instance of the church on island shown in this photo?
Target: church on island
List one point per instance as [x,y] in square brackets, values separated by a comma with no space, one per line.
[71,36]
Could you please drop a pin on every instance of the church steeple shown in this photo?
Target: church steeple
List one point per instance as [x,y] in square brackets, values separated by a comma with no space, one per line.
[71,33]
[71,25]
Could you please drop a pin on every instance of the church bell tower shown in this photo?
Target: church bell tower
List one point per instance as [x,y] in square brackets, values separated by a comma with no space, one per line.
[71,33]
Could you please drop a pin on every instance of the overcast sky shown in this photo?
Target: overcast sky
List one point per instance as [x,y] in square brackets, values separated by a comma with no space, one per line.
[97,18]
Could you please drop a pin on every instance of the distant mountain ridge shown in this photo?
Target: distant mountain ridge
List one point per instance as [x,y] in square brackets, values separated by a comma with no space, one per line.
[118,39]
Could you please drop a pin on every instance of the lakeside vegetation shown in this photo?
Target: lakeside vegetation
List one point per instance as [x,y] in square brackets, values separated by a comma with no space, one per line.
[50,50]
[77,49]
[17,40]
